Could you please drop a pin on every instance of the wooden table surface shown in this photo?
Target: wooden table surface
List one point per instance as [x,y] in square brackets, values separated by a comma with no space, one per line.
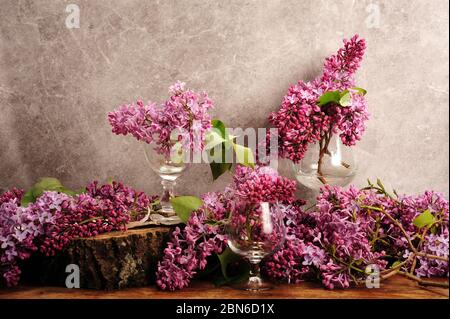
[392,288]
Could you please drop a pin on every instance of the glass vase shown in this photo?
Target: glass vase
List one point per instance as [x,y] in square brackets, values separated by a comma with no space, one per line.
[169,168]
[327,162]
[254,233]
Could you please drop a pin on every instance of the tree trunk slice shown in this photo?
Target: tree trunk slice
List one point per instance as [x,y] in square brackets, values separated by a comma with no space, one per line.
[109,261]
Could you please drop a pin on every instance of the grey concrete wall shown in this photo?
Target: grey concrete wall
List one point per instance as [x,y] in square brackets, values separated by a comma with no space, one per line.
[57,84]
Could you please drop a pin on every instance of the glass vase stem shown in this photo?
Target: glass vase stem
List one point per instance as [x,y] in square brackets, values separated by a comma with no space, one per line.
[255,270]
[167,194]
[323,143]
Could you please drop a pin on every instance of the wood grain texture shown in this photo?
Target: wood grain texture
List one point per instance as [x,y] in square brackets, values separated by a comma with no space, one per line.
[393,288]
[109,261]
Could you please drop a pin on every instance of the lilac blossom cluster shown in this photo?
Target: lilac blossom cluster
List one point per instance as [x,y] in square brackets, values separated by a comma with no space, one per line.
[335,242]
[301,121]
[14,243]
[301,255]
[435,242]
[262,184]
[102,209]
[182,118]
[344,230]
[21,226]
[187,252]
[350,229]
[434,245]
[54,219]
[203,235]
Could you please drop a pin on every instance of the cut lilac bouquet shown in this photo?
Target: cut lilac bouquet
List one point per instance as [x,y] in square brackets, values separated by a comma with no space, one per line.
[312,112]
[352,229]
[204,234]
[336,241]
[183,118]
[46,219]
[179,127]
[339,241]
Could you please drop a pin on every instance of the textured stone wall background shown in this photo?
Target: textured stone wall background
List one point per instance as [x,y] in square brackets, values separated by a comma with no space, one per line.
[57,84]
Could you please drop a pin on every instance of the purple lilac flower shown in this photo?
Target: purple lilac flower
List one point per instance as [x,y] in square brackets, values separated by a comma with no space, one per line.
[434,245]
[385,237]
[187,252]
[262,184]
[339,69]
[102,209]
[203,235]
[122,197]
[19,228]
[344,235]
[325,242]
[300,121]
[14,193]
[182,118]
[54,219]
[301,256]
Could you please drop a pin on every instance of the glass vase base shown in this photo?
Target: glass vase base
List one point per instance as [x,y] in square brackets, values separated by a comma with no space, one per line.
[158,218]
[167,211]
[315,181]
[253,284]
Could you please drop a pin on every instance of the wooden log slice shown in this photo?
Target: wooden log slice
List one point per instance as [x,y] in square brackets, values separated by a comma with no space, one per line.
[109,261]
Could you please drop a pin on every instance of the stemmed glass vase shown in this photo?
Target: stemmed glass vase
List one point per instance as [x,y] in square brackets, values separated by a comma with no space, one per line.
[169,168]
[254,233]
[328,161]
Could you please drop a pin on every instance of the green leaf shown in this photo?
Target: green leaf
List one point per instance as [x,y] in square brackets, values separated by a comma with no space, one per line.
[213,138]
[185,205]
[217,169]
[346,98]
[360,91]
[242,276]
[343,98]
[329,97]
[244,155]
[381,186]
[48,183]
[424,219]
[434,230]
[226,258]
[27,198]
[219,166]
[67,191]
[395,264]
[219,125]
[44,184]
[212,268]
[80,191]
[395,193]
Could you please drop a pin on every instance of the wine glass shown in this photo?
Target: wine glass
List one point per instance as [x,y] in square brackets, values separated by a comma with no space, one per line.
[255,232]
[169,168]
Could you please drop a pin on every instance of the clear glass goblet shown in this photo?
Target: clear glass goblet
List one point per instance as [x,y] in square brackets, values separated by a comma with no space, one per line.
[169,168]
[254,233]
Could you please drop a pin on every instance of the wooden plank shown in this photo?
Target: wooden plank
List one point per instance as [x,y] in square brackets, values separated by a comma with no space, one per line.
[393,288]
